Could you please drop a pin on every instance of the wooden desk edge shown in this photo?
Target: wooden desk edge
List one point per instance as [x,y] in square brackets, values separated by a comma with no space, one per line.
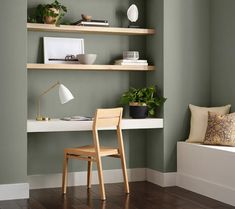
[56,125]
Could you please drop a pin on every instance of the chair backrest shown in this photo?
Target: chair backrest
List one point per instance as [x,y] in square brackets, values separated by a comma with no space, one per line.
[106,118]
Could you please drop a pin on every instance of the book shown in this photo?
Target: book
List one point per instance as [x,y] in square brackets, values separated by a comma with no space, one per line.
[61,59]
[97,21]
[92,23]
[77,118]
[104,21]
[143,64]
[131,62]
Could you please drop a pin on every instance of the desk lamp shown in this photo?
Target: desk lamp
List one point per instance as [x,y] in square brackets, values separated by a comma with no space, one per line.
[64,94]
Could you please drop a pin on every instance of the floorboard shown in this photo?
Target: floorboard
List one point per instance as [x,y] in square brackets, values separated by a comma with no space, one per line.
[143,195]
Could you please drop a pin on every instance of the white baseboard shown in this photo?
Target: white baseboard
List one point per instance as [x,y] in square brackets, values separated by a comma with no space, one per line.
[21,191]
[110,176]
[79,178]
[204,187]
[14,191]
[161,179]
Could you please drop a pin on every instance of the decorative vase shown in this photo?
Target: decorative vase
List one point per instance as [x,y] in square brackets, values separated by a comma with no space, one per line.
[132,15]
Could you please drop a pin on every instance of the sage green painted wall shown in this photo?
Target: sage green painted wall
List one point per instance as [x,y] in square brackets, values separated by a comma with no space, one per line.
[181,51]
[155,140]
[186,31]
[222,52]
[91,89]
[186,68]
[13,92]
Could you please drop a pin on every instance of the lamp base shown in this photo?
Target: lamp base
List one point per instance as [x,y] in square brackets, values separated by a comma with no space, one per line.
[41,118]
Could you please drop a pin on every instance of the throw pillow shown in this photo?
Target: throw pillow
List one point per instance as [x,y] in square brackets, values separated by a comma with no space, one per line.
[220,129]
[199,120]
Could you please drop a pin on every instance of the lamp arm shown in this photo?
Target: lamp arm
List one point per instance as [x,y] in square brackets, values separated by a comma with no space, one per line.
[39,98]
[50,88]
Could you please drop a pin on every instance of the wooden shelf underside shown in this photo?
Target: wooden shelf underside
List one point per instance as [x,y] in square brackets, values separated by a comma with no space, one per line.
[36,66]
[87,29]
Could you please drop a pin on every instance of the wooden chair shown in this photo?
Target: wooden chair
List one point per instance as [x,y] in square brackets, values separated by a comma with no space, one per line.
[104,119]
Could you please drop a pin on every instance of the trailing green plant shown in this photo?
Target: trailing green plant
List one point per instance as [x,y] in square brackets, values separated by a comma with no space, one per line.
[55,10]
[148,96]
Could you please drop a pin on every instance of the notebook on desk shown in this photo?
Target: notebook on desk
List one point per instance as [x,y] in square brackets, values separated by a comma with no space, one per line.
[77,118]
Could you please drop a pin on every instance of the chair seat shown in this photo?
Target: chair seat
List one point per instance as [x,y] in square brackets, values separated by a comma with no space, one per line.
[89,150]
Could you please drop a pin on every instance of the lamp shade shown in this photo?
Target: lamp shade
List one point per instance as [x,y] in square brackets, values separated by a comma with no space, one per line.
[64,94]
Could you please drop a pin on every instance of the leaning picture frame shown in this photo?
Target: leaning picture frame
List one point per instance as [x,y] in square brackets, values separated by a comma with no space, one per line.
[62,50]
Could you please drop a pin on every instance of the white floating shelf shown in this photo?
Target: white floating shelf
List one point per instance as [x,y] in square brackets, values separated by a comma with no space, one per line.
[57,125]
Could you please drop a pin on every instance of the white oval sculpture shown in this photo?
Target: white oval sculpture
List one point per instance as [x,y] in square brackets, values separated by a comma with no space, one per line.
[132,13]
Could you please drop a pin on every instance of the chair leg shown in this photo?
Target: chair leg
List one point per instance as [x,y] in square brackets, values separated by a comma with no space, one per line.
[101,179]
[123,160]
[65,174]
[89,174]
[125,177]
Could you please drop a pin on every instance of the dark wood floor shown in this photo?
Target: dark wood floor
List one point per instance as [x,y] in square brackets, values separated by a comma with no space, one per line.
[143,195]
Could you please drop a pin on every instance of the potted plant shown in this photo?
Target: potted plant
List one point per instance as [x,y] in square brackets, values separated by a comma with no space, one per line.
[143,101]
[49,13]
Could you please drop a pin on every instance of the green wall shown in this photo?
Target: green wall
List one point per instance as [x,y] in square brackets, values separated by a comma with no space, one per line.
[155,140]
[222,52]
[181,51]
[186,68]
[193,52]
[91,89]
[13,92]
[188,38]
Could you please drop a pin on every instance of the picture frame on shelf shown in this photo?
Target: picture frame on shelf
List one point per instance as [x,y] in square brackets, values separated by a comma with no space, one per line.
[62,50]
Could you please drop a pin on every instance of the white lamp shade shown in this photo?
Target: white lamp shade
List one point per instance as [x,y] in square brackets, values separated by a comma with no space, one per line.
[64,94]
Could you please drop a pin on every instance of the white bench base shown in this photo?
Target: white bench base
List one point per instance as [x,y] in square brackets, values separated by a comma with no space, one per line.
[208,170]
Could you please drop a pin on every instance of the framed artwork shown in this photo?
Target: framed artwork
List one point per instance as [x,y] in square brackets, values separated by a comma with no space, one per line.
[62,50]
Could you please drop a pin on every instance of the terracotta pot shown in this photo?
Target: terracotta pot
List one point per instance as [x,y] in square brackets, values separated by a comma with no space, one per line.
[50,19]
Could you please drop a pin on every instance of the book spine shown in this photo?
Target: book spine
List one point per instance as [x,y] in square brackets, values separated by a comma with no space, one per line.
[90,22]
[131,61]
[143,64]
[93,23]
[103,21]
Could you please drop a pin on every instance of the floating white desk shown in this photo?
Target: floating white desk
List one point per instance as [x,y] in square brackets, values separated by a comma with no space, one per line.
[57,125]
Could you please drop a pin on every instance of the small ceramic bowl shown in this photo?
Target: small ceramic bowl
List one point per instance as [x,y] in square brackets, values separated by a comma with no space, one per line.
[87,59]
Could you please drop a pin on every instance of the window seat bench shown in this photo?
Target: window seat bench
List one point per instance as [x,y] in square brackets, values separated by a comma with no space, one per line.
[208,170]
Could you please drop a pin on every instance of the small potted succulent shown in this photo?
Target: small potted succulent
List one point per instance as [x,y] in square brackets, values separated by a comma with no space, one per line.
[48,13]
[142,102]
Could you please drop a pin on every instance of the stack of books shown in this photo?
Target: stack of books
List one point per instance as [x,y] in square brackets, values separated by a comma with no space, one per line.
[131,62]
[101,23]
